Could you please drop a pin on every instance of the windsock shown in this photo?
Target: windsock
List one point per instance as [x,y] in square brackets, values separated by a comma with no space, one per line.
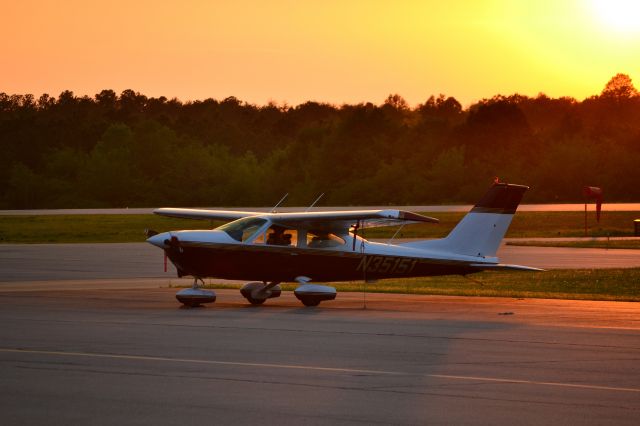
[594,193]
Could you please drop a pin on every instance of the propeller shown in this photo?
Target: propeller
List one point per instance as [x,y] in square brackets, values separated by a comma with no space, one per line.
[150,232]
[171,243]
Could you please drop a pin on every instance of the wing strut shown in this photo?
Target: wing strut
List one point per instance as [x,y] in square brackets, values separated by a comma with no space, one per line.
[355,233]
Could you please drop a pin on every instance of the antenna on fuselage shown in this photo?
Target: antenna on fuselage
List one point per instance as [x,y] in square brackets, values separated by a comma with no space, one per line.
[314,203]
[273,210]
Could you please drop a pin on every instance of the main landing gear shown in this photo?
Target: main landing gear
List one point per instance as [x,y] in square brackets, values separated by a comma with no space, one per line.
[313,294]
[195,296]
[309,294]
[257,292]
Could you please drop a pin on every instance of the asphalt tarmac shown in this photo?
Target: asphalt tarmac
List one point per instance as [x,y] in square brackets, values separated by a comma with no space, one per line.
[123,352]
[84,341]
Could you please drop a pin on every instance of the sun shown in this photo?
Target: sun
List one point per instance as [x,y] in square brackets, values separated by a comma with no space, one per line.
[622,16]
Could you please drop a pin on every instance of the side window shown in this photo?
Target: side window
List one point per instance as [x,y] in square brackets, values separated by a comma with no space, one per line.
[323,240]
[279,236]
[259,239]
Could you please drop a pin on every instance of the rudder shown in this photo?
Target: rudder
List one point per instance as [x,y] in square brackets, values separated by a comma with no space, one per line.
[481,231]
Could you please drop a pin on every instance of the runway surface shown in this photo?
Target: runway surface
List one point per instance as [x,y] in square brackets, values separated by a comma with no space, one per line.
[33,262]
[122,351]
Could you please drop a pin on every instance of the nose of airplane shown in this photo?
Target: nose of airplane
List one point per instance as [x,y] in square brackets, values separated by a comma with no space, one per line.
[158,240]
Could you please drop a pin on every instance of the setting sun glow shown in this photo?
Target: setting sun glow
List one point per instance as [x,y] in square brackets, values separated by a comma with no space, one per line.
[332,51]
[619,15]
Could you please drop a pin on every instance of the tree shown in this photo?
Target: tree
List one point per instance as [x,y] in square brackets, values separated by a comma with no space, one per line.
[108,176]
[620,87]
[127,149]
[25,189]
[107,98]
[397,102]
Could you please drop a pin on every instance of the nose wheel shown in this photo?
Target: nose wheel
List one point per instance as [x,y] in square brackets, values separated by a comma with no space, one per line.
[195,296]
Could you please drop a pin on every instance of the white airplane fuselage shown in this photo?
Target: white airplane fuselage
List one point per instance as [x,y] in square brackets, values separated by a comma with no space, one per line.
[271,248]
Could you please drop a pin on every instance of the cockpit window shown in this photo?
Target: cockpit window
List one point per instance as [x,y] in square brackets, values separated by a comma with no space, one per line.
[323,240]
[281,236]
[277,235]
[242,229]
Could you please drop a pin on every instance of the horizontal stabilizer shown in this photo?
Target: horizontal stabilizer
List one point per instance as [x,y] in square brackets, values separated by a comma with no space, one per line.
[504,267]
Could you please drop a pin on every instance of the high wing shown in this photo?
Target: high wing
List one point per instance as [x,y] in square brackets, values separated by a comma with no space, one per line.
[341,221]
[330,221]
[204,214]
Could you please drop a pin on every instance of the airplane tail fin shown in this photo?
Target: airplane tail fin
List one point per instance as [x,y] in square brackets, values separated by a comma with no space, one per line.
[480,232]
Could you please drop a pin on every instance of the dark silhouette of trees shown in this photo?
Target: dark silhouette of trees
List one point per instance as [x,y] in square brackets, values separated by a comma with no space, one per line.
[116,150]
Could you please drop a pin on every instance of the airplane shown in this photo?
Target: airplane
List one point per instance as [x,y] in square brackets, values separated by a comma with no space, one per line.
[314,248]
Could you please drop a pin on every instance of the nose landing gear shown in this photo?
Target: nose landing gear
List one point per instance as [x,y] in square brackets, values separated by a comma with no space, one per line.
[195,296]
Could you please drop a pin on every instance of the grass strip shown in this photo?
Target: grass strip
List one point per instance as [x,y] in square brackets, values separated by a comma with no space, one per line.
[90,228]
[130,228]
[614,244]
[578,284]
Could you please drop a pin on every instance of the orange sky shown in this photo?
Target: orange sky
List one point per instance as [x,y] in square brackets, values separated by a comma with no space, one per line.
[333,51]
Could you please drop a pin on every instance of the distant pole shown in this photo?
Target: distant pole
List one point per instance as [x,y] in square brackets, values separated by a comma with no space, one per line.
[585,218]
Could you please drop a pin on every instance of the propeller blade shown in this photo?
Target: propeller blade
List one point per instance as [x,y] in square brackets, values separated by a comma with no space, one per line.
[150,232]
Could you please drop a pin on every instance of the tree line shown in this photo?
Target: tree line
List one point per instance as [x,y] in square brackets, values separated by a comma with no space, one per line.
[131,150]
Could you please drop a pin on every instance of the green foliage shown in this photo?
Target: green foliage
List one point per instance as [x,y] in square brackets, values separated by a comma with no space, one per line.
[131,150]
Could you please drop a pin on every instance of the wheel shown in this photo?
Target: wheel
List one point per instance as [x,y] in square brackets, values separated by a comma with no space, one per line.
[255,301]
[195,297]
[310,301]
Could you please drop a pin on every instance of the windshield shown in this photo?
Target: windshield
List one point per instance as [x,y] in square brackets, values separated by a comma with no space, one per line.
[242,229]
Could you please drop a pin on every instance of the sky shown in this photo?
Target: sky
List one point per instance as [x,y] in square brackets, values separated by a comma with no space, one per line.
[327,51]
